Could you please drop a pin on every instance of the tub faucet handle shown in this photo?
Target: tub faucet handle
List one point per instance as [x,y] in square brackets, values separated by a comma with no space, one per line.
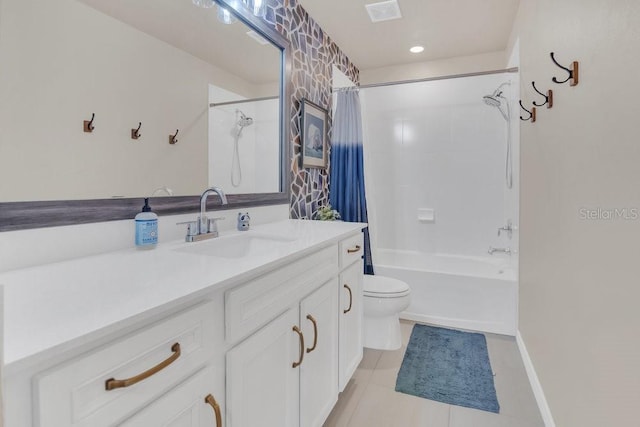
[508,228]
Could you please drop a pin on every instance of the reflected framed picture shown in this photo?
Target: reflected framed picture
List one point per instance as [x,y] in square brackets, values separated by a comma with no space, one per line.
[313,135]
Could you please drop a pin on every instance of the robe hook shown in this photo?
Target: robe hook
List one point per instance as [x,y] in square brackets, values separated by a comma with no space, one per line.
[548,97]
[532,114]
[135,133]
[573,72]
[173,138]
[88,124]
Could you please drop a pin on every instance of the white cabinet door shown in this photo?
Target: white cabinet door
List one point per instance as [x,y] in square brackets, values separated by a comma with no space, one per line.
[351,298]
[319,369]
[262,382]
[197,402]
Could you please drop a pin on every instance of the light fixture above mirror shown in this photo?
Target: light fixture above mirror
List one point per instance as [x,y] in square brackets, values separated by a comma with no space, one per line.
[256,7]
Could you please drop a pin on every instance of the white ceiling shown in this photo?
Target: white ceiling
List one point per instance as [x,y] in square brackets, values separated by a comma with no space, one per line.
[446,28]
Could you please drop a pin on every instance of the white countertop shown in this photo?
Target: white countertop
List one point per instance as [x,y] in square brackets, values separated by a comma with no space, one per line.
[55,307]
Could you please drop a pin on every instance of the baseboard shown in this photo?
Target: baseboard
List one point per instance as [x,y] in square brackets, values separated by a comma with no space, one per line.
[469,325]
[545,411]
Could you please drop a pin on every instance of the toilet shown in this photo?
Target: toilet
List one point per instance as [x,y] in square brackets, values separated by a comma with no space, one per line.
[384,299]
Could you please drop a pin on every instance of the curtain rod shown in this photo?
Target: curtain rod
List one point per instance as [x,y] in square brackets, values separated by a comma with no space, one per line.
[430,79]
[242,101]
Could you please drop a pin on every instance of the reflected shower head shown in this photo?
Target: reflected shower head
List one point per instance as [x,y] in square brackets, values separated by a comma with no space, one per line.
[244,121]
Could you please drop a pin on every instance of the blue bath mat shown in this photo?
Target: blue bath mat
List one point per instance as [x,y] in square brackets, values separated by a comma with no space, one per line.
[450,367]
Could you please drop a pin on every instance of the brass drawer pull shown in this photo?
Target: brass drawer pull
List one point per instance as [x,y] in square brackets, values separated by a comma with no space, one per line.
[354,250]
[297,331]
[112,383]
[315,333]
[350,299]
[216,408]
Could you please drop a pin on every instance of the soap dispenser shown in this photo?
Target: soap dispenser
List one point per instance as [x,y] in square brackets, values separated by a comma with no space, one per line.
[146,227]
[147,223]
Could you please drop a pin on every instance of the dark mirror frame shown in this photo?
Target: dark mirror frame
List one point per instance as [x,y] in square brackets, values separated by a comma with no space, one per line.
[39,214]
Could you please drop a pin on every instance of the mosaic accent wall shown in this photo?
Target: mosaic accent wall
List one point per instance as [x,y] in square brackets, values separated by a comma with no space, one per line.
[313,54]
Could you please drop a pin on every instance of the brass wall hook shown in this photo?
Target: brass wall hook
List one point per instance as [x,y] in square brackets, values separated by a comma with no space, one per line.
[135,133]
[173,138]
[573,72]
[548,98]
[88,124]
[532,114]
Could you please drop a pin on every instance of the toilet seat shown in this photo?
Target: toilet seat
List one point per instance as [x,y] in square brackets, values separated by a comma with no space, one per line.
[384,287]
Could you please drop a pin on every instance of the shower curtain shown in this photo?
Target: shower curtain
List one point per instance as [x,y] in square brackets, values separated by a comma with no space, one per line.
[346,185]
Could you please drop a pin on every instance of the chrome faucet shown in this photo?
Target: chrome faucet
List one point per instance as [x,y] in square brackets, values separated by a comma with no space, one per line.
[204,228]
[204,223]
[493,250]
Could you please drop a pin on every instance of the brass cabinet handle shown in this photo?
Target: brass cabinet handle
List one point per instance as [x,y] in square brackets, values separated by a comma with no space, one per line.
[350,299]
[216,408]
[354,250]
[297,331]
[112,383]
[315,333]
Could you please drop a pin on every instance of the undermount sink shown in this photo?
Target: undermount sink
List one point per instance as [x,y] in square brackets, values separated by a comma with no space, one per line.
[237,246]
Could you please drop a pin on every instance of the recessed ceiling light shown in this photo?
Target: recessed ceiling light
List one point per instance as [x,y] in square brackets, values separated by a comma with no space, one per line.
[417,49]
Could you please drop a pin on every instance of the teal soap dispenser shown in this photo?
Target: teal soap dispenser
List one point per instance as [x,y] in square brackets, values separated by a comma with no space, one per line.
[147,223]
[146,227]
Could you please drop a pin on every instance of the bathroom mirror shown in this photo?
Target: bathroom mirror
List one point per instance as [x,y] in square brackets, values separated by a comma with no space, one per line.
[178,98]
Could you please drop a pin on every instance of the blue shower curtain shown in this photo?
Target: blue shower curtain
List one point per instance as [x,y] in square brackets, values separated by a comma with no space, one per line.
[346,186]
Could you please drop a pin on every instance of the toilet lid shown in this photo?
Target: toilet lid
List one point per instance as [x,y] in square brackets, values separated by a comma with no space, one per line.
[381,285]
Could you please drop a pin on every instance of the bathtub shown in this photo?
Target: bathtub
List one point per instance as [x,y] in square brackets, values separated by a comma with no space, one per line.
[479,294]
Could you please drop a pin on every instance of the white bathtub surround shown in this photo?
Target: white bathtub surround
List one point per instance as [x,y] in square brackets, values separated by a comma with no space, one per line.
[437,146]
[476,293]
[26,248]
[258,147]
[435,162]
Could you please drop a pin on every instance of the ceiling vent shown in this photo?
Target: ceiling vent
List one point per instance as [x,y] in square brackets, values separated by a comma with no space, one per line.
[384,11]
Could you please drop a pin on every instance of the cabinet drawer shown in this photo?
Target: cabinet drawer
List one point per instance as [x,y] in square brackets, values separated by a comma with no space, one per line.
[254,304]
[351,250]
[190,404]
[152,359]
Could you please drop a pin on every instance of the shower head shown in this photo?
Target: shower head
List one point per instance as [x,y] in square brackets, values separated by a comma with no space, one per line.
[244,121]
[492,100]
[496,100]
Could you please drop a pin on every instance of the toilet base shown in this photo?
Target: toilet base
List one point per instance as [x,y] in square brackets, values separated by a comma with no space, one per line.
[382,333]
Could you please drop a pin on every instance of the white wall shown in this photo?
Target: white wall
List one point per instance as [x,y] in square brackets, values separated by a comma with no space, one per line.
[61,62]
[579,286]
[436,145]
[443,67]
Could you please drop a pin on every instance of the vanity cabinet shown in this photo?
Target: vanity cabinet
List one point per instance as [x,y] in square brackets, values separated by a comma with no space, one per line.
[193,403]
[269,346]
[285,375]
[351,300]
[105,386]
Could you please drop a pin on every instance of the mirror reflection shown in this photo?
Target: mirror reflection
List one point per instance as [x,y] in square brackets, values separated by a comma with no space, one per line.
[159,68]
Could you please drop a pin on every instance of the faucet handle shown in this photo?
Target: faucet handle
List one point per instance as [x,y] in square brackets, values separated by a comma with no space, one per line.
[192,227]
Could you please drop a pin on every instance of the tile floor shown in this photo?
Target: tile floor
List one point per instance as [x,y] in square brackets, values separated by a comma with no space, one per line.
[369,400]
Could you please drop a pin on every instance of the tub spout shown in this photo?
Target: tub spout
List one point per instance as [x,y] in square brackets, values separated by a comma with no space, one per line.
[493,250]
